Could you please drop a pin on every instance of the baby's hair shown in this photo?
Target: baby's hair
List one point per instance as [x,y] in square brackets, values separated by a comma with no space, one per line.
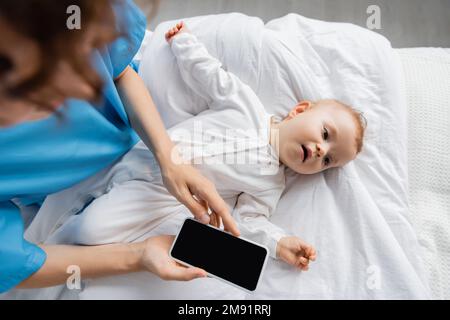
[360,122]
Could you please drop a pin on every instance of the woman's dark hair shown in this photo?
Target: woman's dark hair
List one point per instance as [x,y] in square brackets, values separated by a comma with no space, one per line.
[45,22]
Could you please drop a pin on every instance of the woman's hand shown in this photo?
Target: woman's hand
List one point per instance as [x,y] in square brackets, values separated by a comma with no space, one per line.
[156,259]
[107,260]
[181,180]
[198,194]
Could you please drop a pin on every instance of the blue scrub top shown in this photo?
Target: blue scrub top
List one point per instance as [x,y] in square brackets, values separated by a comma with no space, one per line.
[42,157]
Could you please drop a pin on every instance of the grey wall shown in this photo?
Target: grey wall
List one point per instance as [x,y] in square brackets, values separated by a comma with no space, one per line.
[407,23]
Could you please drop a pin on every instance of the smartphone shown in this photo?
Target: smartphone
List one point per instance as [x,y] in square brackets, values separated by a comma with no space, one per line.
[234,260]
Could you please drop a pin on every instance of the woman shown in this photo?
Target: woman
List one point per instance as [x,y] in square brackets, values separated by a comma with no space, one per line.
[69,102]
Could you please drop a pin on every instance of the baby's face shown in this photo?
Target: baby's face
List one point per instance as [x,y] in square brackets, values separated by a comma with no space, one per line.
[316,138]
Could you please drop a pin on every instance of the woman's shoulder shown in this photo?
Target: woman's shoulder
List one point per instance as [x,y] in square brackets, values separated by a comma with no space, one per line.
[131,26]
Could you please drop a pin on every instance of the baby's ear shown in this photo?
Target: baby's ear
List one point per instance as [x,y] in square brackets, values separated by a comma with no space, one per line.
[299,108]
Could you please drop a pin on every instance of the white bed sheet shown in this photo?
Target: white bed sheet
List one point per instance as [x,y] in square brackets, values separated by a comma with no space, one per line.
[357,217]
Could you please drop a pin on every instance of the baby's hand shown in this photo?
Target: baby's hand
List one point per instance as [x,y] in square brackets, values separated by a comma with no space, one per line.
[178,29]
[295,252]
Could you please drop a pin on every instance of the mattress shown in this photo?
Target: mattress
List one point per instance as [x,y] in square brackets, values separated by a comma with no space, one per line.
[427,87]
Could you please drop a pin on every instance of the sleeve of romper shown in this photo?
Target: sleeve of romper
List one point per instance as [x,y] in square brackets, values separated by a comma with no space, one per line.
[19,259]
[252,215]
[204,74]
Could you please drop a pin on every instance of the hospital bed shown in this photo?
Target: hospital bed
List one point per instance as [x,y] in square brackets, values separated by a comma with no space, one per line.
[381,225]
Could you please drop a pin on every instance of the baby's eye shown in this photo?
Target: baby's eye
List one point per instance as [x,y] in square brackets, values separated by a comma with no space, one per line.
[325,133]
[326,161]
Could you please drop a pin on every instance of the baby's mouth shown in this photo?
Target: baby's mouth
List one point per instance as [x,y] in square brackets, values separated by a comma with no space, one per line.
[305,153]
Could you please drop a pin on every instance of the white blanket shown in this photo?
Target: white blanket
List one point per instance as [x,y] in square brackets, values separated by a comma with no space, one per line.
[357,217]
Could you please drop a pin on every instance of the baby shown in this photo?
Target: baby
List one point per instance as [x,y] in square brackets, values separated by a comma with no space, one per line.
[236,145]
[313,137]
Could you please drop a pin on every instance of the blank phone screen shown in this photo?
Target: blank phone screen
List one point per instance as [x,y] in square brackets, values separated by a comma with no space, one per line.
[220,254]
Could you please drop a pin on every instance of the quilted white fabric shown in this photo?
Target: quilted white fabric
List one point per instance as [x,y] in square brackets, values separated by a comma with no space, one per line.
[427,82]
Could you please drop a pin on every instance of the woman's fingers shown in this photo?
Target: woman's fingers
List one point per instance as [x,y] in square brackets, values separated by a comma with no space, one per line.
[213,220]
[156,259]
[199,211]
[219,220]
[216,221]
[184,182]
[179,273]
[177,180]
[216,203]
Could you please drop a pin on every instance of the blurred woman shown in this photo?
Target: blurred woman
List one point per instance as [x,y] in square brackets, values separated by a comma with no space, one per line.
[71,106]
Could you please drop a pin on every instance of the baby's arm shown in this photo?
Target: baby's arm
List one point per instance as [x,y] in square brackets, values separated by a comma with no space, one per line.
[204,74]
[253,218]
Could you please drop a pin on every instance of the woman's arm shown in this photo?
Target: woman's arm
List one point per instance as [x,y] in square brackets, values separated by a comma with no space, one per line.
[182,181]
[106,260]
[93,262]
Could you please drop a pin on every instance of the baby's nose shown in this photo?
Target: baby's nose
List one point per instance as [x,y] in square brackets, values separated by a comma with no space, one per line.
[320,152]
